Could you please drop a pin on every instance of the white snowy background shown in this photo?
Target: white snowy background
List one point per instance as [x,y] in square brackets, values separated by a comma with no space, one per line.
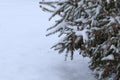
[25,52]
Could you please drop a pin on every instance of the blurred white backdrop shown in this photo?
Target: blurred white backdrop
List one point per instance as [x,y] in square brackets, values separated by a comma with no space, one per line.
[24,48]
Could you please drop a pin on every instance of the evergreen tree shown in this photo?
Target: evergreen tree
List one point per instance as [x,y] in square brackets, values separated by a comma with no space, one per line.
[93,28]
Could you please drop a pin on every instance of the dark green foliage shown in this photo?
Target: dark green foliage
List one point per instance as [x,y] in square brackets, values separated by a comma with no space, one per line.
[93,28]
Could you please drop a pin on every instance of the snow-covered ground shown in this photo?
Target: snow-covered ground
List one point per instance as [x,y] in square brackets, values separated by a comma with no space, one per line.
[24,48]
